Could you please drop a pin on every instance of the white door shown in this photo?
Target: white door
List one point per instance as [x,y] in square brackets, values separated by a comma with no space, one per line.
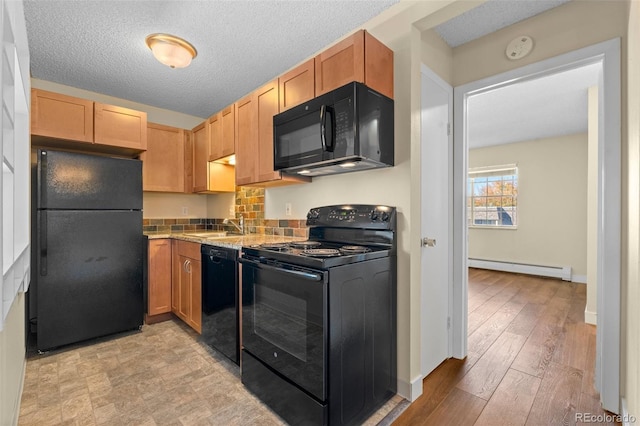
[436,208]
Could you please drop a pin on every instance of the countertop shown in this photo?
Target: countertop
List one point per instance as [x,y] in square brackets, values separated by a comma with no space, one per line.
[230,241]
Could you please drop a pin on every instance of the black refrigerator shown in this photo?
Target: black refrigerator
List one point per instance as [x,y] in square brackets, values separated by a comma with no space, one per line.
[88,259]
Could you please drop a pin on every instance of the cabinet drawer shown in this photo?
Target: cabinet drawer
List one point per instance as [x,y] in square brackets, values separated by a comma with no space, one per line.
[189,249]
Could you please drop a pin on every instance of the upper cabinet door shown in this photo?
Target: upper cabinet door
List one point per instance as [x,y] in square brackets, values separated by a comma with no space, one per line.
[121,127]
[298,85]
[340,64]
[246,146]
[378,65]
[360,57]
[266,104]
[163,161]
[61,116]
[215,136]
[200,157]
[222,133]
[228,130]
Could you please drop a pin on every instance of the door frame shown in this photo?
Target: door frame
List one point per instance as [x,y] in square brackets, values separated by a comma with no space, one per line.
[426,72]
[607,374]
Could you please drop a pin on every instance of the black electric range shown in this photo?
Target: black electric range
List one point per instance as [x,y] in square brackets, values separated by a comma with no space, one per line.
[319,317]
[338,235]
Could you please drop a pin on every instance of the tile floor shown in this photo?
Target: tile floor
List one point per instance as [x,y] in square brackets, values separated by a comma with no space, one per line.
[160,376]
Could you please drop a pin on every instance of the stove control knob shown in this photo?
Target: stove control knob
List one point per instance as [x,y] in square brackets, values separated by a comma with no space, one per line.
[374,216]
[385,216]
[313,214]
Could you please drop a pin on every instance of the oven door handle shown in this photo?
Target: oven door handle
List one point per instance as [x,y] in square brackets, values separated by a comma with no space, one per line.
[310,276]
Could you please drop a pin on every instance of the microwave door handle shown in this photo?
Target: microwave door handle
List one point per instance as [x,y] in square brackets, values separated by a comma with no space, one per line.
[324,112]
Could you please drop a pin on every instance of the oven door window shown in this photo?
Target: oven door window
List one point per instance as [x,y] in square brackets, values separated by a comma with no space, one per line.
[284,322]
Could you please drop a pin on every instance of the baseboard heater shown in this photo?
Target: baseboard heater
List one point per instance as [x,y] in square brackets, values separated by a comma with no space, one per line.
[562,272]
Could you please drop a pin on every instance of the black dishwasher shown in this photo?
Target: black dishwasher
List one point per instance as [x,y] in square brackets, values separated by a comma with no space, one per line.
[220,313]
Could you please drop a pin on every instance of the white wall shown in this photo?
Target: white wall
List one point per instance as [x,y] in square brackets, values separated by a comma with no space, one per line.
[158,205]
[437,55]
[222,205]
[12,362]
[631,277]
[552,204]
[576,24]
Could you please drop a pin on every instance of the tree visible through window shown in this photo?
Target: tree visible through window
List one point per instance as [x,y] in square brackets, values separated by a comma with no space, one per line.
[493,196]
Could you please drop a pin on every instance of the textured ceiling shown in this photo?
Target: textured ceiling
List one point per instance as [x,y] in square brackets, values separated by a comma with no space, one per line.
[490,17]
[546,107]
[100,45]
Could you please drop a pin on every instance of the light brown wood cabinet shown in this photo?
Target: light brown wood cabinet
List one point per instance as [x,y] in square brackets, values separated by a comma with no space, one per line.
[208,176]
[359,57]
[121,127]
[166,159]
[215,136]
[60,116]
[246,144]
[228,130]
[222,133]
[159,278]
[186,285]
[200,139]
[59,120]
[298,85]
[254,139]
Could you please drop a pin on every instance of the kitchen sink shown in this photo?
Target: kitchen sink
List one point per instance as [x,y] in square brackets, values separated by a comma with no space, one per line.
[209,234]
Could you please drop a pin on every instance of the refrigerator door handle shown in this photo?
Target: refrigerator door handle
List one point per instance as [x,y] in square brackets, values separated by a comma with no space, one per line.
[42,244]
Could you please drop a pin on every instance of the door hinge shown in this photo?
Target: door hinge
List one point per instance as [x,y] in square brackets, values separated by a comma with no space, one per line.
[448,129]
[448,323]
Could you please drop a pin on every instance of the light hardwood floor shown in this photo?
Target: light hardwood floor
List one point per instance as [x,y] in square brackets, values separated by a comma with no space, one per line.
[530,362]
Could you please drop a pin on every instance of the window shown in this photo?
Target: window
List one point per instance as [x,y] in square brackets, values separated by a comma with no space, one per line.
[493,196]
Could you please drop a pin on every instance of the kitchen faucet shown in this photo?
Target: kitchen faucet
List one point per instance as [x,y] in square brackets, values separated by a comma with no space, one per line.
[239,227]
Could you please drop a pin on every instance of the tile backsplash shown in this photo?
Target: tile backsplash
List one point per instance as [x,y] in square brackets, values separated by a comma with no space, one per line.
[249,203]
[289,227]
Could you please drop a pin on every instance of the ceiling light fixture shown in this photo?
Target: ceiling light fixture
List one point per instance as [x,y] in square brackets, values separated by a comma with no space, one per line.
[171,50]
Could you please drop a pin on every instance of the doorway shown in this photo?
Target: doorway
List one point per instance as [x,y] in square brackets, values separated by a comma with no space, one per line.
[607,376]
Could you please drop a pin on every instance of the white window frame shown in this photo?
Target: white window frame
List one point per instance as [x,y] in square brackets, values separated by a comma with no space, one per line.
[487,172]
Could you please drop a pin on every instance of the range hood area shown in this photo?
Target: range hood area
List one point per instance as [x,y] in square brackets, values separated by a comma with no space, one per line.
[334,167]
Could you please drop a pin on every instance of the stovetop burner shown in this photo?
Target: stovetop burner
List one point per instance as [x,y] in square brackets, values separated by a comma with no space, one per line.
[337,235]
[305,244]
[354,249]
[320,252]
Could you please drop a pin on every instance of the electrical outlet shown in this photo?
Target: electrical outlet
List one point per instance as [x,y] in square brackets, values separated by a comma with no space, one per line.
[185,210]
[287,209]
[232,211]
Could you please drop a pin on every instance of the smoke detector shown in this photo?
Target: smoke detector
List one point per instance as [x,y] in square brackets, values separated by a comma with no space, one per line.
[519,47]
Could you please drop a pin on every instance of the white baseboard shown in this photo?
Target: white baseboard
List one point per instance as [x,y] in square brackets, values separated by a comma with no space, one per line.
[410,391]
[581,279]
[590,317]
[562,272]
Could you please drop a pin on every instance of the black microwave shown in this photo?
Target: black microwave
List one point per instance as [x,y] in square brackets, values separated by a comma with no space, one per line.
[345,130]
